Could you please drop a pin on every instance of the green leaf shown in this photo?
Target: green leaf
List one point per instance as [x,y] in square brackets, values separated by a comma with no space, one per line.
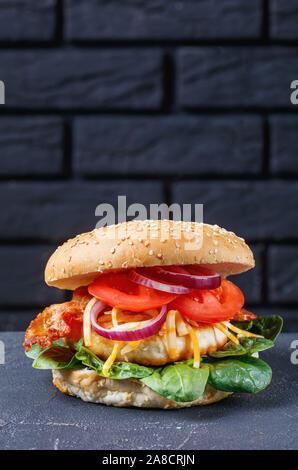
[57,356]
[268,326]
[119,370]
[243,325]
[246,374]
[34,351]
[245,346]
[179,381]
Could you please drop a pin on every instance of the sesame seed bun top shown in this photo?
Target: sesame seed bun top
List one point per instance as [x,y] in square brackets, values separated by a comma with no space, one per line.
[146,243]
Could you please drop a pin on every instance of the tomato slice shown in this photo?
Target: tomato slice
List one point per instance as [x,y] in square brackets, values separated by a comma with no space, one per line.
[210,306]
[117,290]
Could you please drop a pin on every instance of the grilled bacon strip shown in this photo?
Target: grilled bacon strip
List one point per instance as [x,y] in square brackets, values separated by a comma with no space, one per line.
[58,321]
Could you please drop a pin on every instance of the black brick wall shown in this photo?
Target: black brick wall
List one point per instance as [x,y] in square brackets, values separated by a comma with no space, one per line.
[165,101]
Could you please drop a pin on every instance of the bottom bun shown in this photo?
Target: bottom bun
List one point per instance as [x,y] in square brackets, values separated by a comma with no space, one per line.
[89,386]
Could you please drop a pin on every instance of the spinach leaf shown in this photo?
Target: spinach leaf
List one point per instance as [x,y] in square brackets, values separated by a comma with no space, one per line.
[119,370]
[58,356]
[245,374]
[178,381]
[34,351]
[268,326]
[243,325]
[246,346]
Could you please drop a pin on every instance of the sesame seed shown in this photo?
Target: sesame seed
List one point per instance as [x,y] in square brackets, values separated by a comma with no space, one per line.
[150,252]
[113,250]
[146,243]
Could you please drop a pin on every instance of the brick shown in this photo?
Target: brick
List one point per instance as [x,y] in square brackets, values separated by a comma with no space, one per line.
[82,78]
[21,272]
[168,145]
[283,19]
[248,76]
[283,282]
[31,146]
[130,19]
[284,144]
[251,282]
[55,211]
[254,210]
[27,20]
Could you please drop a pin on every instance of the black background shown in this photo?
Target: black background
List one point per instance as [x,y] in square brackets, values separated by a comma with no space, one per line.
[164,101]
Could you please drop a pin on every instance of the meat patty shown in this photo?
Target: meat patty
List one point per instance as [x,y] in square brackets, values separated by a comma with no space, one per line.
[154,350]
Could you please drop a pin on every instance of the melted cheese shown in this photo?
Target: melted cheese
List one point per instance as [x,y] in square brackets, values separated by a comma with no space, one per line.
[114,316]
[131,346]
[224,330]
[109,362]
[196,347]
[239,331]
[87,322]
[171,334]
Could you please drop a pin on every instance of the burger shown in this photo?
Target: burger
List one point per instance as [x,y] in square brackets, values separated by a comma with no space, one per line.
[153,321]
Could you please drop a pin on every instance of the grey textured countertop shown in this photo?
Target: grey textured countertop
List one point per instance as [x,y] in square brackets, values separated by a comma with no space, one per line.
[35,415]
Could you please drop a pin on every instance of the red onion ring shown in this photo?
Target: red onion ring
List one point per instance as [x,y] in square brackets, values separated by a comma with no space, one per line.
[138,278]
[136,334]
[211,280]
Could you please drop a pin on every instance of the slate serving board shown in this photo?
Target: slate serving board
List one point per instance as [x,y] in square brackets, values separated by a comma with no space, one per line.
[35,415]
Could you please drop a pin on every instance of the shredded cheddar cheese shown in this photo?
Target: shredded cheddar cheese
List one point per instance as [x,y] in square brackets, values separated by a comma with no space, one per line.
[109,362]
[225,331]
[131,346]
[239,331]
[114,316]
[181,326]
[196,347]
[171,334]
[87,322]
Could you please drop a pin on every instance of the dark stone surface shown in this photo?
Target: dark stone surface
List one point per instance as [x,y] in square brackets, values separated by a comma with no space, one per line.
[284,144]
[157,19]
[178,145]
[31,20]
[35,415]
[255,210]
[283,19]
[283,282]
[31,146]
[56,211]
[223,76]
[82,78]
